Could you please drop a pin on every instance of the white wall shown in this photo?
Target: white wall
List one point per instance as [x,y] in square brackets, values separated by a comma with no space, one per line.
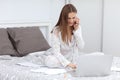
[56,7]
[30,10]
[90,12]
[111,30]
[24,10]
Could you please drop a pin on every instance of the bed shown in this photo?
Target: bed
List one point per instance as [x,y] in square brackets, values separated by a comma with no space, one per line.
[11,70]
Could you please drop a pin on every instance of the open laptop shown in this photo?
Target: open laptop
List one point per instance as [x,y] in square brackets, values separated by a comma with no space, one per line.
[93,65]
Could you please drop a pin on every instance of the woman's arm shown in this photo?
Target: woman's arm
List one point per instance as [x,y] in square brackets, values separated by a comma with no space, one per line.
[78,38]
[56,49]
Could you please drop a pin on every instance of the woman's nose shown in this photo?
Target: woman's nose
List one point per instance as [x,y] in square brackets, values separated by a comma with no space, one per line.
[71,20]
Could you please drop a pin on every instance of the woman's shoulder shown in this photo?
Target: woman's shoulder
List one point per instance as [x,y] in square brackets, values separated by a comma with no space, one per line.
[56,31]
[55,28]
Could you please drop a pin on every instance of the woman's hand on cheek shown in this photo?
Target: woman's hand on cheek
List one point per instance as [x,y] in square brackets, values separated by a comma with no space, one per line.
[76,25]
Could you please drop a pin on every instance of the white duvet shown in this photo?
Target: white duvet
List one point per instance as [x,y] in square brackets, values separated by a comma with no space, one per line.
[11,69]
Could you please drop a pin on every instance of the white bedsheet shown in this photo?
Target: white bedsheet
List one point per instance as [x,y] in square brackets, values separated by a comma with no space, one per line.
[10,70]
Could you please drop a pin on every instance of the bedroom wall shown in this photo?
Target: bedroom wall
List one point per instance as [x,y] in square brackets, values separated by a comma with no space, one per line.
[13,11]
[111,29]
[24,10]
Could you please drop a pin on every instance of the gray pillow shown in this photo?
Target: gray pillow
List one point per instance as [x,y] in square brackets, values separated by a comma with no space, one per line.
[28,39]
[6,48]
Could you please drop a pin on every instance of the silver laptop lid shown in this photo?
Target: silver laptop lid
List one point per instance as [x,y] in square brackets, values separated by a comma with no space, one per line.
[93,65]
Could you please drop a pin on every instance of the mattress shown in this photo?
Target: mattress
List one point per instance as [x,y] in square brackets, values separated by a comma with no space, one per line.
[10,70]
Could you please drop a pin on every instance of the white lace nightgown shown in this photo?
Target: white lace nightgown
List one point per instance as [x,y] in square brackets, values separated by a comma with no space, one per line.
[61,54]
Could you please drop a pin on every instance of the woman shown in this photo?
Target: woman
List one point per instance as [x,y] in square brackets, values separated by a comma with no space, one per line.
[66,40]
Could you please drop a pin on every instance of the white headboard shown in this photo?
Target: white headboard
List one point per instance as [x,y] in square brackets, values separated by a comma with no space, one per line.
[45,27]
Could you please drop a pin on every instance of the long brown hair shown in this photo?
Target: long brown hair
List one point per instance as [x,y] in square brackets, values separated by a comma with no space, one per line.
[63,21]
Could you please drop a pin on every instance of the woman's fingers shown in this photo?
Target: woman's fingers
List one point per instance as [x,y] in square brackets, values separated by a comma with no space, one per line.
[73,66]
[77,20]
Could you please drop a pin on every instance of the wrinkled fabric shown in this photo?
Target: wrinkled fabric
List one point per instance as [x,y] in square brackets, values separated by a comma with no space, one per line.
[65,53]
[10,71]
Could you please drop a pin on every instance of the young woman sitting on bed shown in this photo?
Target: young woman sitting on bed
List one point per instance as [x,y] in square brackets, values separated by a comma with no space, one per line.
[66,40]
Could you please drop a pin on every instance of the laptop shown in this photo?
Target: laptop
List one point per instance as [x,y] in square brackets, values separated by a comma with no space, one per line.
[93,65]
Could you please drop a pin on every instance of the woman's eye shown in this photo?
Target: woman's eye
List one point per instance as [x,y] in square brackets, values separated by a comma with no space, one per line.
[73,17]
[69,18]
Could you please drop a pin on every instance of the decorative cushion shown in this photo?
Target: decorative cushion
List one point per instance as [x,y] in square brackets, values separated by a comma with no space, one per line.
[28,39]
[6,48]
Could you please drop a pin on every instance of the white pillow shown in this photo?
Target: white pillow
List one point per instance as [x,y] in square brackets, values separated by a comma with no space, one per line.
[95,53]
[37,54]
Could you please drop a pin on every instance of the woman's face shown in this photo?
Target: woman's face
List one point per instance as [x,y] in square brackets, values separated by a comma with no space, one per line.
[71,18]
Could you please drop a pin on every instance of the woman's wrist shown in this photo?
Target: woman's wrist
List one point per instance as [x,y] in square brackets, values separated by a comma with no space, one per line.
[76,27]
